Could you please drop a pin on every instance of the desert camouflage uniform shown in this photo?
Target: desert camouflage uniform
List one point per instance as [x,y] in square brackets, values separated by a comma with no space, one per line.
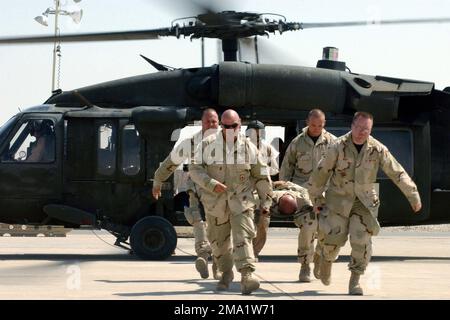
[231,212]
[301,158]
[268,155]
[304,218]
[192,214]
[352,196]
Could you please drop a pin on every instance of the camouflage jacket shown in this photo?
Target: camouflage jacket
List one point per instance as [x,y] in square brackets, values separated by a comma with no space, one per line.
[281,188]
[354,175]
[268,155]
[180,154]
[238,167]
[302,156]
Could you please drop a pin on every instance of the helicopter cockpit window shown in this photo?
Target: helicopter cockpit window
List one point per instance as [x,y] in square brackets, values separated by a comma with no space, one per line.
[398,141]
[131,149]
[33,142]
[106,151]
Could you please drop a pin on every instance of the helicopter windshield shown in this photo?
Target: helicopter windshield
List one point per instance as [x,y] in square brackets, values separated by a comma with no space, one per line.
[34,141]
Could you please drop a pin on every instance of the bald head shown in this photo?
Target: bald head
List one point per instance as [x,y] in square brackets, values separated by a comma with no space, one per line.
[209,111]
[287,204]
[316,113]
[230,116]
[210,119]
[315,122]
[231,125]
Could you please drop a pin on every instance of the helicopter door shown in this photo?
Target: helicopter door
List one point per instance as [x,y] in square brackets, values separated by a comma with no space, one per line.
[30,167]
[103,166]
[90,162]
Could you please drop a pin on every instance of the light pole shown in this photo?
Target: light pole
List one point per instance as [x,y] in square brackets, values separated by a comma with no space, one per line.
[43,19]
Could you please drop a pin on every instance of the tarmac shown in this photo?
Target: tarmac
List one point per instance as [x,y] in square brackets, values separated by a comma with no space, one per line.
[406,264]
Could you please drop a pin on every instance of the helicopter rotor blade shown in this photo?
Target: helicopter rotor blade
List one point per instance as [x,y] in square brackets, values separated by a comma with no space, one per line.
[222,25]
[101,36]
[372,22]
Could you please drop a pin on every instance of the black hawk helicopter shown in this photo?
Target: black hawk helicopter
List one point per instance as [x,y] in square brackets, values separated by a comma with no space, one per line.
[105,141]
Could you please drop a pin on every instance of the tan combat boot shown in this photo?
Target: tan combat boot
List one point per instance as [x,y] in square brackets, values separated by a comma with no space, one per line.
[201,264]
[305,273]
[248,284]
[354,288]
[217,274]
[225,280]
[325,271]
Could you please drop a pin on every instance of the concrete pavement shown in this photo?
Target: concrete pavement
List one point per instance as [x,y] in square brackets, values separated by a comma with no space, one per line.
[85,265]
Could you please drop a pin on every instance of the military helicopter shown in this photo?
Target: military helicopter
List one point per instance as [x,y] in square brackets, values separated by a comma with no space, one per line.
[106,140]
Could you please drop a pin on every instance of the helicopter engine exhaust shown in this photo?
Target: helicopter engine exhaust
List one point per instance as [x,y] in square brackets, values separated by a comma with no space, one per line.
[293,87]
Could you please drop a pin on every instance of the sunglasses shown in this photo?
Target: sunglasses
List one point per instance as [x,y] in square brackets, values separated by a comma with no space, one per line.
[230,126]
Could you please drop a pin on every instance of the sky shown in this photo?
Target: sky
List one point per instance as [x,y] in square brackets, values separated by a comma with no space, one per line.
[420,52]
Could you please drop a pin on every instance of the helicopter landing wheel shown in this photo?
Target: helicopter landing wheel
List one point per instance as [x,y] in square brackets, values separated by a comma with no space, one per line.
[153,238]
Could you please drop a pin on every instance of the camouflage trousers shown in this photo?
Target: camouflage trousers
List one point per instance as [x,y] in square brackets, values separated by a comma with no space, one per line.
[240,227]
[193,216]
[360,225]
[308,231]
[307,234]
[262,228]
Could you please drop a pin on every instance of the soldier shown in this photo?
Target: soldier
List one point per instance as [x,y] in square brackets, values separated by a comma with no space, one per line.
[351,198]
[301,158]
[43,148]
[289,199]
[210,121]
[228,174]
[256,133]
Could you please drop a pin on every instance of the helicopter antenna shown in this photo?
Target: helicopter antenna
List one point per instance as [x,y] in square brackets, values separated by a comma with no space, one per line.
[82,98]
[156,65]
[59,55]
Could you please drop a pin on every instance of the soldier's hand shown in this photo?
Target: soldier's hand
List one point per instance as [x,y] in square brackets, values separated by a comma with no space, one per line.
[277,183]
[416,208]
[264,211]
[219,188]
[156,192]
